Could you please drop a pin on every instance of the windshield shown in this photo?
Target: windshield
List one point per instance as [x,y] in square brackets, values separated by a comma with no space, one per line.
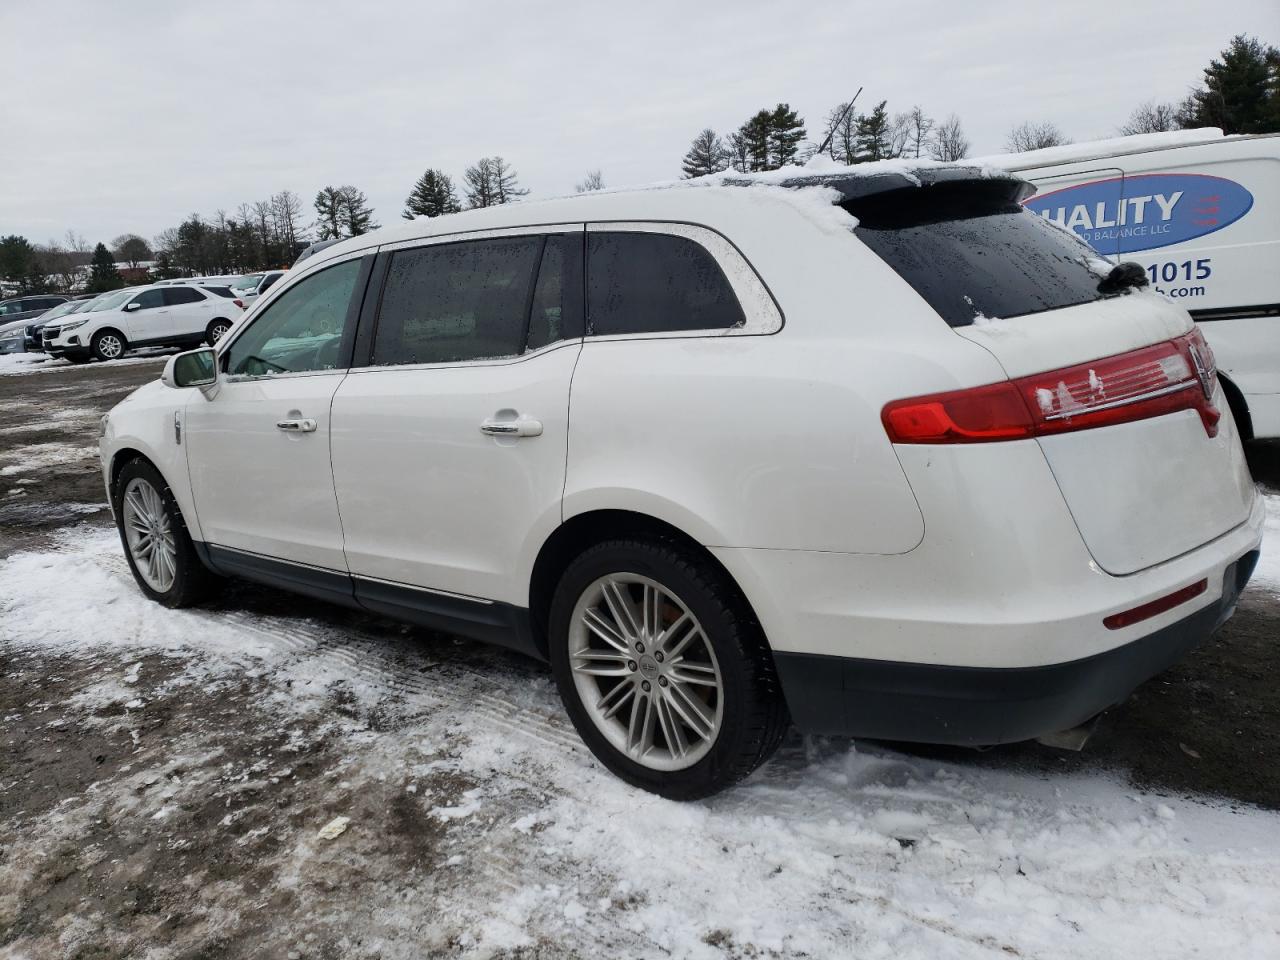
[111,300]
[975,254]
[62,309]
[248,282]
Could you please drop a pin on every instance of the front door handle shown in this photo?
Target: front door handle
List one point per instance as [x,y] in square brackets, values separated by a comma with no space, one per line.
[297,426]
[520,427]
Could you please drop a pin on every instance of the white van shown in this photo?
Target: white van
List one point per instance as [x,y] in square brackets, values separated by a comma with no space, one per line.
[1201,213]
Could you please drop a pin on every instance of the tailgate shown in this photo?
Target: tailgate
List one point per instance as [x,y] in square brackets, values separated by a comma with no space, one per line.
[1144,491]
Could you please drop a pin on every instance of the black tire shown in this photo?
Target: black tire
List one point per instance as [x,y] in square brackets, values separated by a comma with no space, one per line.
[192,581]
[212,334]
[755,716]
[108,338]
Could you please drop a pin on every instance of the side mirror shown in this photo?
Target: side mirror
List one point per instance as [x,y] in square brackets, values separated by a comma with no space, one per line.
[132,306]
[195,368]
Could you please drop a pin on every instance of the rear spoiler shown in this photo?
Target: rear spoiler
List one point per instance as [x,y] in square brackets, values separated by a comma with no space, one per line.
[853,186]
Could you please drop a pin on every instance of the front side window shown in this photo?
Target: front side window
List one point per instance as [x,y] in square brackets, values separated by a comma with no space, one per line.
[302,330]
[454,302]
[149,299]
[177,296]
[655,283]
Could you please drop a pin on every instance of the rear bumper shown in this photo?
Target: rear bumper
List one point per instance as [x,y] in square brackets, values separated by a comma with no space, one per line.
[971,706]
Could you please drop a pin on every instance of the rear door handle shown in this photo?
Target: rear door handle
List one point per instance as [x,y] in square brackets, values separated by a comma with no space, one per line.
[297,426]
[521,427]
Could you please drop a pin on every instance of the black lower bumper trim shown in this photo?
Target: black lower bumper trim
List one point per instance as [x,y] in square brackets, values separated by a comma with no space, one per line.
[974,706]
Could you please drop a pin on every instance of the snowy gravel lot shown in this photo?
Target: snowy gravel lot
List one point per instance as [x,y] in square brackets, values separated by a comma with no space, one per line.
[164,778]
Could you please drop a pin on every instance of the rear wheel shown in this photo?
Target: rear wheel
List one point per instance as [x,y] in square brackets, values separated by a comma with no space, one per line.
[155,538]
[662,668]
[217,330]
[107,345]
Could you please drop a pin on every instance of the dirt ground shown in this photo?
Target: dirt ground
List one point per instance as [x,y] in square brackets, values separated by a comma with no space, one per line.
[206,753]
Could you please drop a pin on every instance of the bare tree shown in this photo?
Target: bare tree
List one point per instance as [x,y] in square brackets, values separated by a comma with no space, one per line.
[286,215]
[1151,117]
[594,180]
[131,249]
[489,182]
[1030,135]
[913,131]
[949,142]
[76,243]
[842,128]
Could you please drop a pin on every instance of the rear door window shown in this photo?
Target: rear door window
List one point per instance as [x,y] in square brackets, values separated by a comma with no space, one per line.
[655,283]
[974,253]
[454,302]
[177,296]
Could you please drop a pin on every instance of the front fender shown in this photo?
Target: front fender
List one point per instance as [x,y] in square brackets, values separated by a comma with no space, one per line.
[150,423]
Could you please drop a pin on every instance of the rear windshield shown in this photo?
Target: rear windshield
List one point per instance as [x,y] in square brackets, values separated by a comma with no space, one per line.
[974,253]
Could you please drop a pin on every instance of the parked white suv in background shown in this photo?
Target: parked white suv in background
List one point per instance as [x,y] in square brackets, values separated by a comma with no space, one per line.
[251,286]
[723,453]
[152,316]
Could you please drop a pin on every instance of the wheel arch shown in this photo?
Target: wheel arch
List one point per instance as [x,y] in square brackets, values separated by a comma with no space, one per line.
[584,530]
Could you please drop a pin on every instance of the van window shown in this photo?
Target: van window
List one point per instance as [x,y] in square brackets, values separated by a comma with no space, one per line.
[453,302]
[972,251]
[655,283]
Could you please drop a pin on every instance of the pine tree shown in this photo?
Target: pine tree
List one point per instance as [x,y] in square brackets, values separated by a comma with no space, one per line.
[103,275]
[1240,90]
[432,196]
[707,154]
[357,216]
[328,204]
[872,140]
[754,136]
[786,130]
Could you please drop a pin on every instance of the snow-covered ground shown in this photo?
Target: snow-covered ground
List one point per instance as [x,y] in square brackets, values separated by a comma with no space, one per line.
[12,364]
[832,850]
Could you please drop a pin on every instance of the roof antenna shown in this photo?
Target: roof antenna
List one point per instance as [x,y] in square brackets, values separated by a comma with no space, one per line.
[832,132]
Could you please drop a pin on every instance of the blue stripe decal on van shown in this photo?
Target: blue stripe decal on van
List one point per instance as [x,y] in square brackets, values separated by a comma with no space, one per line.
[1145,211]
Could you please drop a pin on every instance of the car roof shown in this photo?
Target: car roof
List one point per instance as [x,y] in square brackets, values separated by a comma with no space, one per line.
[713,200]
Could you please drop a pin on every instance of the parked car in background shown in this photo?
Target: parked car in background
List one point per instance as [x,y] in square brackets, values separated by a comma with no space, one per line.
[151,316]
[249,288]
[23,336]
[23,308]
[1200,213]
[769,456]
[226,281]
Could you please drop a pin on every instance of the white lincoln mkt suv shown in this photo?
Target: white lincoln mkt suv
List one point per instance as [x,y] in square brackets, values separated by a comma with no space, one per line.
[878,452]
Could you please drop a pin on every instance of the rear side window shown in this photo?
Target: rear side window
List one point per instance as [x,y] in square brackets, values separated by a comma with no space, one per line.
[176,296]
[454,302]
[973,252]
[655,283]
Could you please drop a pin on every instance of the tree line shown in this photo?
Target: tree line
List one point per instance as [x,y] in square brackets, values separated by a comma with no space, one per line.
[1239,92]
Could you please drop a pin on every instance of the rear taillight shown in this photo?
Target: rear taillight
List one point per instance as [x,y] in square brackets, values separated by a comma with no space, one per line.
[1149,382]
[238,302]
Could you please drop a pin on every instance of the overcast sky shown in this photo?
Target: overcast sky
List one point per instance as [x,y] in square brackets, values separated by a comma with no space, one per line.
[128,116]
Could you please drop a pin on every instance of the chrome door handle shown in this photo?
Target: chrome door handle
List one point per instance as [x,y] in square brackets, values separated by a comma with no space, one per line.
[523,427]
[297,426]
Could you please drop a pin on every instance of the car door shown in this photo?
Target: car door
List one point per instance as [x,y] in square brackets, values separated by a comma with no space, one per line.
[190,311]
[258,440]
[146,318]
[449,446]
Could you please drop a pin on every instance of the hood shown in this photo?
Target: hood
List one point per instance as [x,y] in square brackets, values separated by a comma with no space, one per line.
[13,326]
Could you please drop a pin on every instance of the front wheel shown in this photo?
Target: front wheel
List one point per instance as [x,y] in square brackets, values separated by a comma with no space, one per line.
[662,668]
[155,538]
[107,345]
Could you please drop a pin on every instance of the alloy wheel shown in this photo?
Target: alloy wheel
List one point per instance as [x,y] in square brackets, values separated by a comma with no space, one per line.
[645,671]
[150,535]
[109,346]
